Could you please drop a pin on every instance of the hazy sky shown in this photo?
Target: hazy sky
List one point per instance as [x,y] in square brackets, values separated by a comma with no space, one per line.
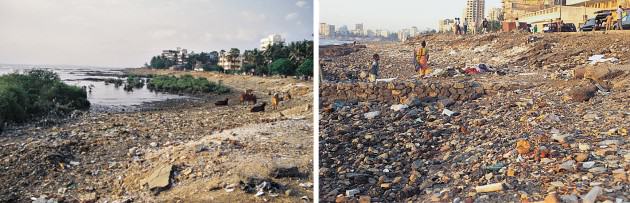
[393,14]
[126,33]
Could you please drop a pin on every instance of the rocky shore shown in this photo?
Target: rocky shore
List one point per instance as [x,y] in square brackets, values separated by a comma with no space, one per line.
[172,151]
[544,124]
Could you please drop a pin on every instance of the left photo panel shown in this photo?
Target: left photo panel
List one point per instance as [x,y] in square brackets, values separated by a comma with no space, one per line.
[156,101]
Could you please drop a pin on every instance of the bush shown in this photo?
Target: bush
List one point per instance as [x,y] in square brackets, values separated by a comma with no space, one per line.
[306,68]
[213,68]
[37,93]
[185,84]
[281,67]
[133,82]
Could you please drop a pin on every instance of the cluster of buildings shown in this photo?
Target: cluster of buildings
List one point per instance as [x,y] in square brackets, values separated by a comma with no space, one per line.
[539,12]
[178,56]
[328,31]
[534,12]
[225,60]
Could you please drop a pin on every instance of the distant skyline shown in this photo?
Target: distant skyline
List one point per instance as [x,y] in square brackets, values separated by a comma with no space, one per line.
[127,33]
[393,15]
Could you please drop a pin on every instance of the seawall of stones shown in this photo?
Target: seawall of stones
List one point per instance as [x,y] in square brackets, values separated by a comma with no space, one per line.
[397,92]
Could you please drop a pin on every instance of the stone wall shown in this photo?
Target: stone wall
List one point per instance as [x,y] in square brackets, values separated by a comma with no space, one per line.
[396,92]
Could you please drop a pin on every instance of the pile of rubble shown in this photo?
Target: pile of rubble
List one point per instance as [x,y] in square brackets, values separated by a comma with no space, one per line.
[501,53]
[530,137]
[187,152]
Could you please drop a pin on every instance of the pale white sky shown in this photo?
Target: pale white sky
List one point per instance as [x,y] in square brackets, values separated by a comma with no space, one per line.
[393,14]
[126,33]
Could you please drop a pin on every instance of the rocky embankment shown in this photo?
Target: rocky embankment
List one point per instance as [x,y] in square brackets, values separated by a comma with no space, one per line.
[186,152]
[553,134]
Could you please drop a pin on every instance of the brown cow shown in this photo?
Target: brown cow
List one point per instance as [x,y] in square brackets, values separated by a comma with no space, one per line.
[275,100]
[247,97]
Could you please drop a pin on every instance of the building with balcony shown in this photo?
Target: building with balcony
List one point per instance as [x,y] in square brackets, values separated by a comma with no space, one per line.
[600,4]
[566,14]
[178,56]
[270,40]
[228,62]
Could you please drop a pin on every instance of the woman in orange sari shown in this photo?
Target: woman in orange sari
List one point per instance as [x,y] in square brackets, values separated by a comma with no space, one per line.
[422,57]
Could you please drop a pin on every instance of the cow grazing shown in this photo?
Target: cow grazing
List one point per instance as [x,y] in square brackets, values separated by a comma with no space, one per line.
[222,102]
[275,100]
[247,97]
[259,107]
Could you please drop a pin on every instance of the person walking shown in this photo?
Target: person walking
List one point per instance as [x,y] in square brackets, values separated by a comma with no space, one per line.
[619,17]
[465,31]
[458,29]
[374,69]
[484,25]
[422,57]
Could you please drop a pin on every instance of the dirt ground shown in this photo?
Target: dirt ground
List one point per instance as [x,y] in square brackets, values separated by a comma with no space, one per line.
[217,154]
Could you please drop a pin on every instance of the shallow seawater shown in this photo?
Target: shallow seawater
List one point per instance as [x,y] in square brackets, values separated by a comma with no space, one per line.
[101,95]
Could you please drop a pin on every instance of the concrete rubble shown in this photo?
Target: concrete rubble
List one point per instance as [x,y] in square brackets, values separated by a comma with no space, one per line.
[189,152]
[521,132]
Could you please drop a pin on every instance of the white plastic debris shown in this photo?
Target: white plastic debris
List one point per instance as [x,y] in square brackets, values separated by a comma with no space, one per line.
[448,112]
[371,115]
[385,80]
[398,107]
[599,58]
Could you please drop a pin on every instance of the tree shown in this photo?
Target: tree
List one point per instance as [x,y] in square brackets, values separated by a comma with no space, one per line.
[213,58]
[306,68]
[234,53]
[281,66]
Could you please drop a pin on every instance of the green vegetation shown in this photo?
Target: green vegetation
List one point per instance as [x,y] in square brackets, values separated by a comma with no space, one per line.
[281,67]
[37,93]
[160,62]
[133,82]
[254,61]
[185,84]
[116,81]
[306,68]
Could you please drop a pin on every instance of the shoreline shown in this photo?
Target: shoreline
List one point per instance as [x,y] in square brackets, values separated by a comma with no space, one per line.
[106,155]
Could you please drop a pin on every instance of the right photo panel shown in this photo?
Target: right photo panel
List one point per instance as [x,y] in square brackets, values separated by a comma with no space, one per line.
[474,101]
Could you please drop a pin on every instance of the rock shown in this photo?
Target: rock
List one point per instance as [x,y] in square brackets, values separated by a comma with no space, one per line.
[557,184]
[372,114]
[386,185]
[569,199]
[153,144]
[559,138]
[522,146]
[581,94]
[489,188]
[88,198]
[341,199]
[160,178]
[551,198]
[597,170]
[449,112]
[584,146]
[352,193]
[365,199]
[398,107]
[580,157]
[591,196]
[284,171]
[588,165]
[619,175]
[443,103]
[568,165]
